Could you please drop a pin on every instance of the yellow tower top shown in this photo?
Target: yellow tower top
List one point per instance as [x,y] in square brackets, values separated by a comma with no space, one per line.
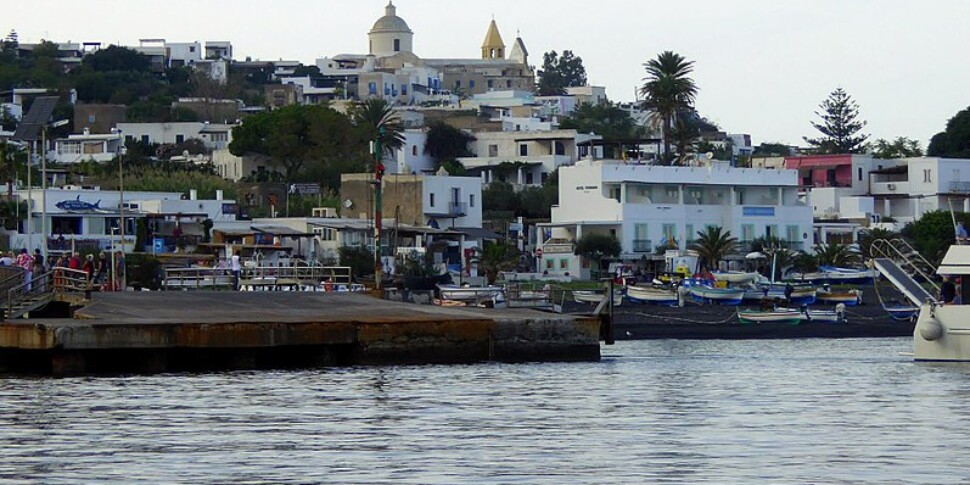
[493,47]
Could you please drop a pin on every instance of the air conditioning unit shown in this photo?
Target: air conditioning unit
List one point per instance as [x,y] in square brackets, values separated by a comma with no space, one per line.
[891,186]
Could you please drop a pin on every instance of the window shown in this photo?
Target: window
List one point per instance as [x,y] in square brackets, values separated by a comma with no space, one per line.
[563,264]
[791,234]
[414,150]
[550,264]
[508,84]
[431,200]
[404,89]
[927,175]
[747,232]
[560,148]
[457,84]
[91,118]
[689,232]
[471,84]
[860,174]
[771,230]
[471,200]
[490,84]
[179,139]
[493,150]
[66,225]
[191,48]
[523,150]
[144,139]
[397,45]
[528,178]
[669,235]
[372,88]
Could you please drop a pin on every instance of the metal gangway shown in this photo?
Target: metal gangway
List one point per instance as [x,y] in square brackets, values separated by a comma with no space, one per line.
[899,263]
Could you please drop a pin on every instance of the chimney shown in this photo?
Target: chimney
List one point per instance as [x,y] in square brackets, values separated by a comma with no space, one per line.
[219,194]
[193,194]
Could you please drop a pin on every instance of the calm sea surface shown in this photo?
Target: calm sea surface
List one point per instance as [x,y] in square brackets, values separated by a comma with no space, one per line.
[808,411]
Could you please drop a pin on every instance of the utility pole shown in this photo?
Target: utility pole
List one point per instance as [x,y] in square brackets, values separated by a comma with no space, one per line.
[378,212]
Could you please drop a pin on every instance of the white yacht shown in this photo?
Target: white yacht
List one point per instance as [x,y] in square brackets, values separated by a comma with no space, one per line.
[943,330]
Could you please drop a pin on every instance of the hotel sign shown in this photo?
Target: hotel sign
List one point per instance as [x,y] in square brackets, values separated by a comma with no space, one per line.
[758,211]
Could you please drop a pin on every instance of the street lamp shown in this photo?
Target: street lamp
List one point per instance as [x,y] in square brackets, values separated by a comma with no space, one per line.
[43,171]
[121,192]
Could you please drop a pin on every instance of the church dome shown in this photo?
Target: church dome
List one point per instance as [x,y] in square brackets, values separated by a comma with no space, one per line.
[390,22]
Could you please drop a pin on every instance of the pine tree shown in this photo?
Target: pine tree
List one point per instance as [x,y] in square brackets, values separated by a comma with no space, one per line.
[839,126]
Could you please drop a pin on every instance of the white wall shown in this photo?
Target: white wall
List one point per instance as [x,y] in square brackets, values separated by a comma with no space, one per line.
[470,189]
[411,157]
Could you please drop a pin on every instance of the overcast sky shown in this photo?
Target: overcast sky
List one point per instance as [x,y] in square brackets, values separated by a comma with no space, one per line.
[762,66]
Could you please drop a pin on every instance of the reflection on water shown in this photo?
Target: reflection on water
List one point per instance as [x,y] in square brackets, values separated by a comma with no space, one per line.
[810,411]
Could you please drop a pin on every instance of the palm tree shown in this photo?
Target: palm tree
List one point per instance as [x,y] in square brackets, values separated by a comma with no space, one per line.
[374,114]
[668,88]
[835,254]
[684,135]
[713,244]
[869,236]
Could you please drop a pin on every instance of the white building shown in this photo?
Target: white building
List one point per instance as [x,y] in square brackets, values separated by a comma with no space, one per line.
[524,158]
[594,95]
[411,157]
[84,147]
[646,207]
[903,190]
[215,136]
[88,216]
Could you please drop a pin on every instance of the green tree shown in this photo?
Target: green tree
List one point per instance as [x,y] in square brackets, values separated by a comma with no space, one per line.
[606,119]
[560,72]
[374,114]
[835,254]
[597,247]
[871,235]
[954,142]
[713,244]
[499,257]
[445,143]
[116,58]
[684,136]
[359,259]
[901,147]
[839,126]
[316,138]
[776,149]
[933,233]
[668,89]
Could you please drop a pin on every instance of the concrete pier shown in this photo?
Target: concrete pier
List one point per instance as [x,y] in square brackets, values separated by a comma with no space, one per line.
[139,332]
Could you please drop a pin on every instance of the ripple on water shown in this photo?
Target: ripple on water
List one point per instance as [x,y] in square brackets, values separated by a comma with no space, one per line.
[810,411]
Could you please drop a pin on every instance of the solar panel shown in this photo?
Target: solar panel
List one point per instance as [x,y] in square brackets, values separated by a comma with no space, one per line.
[40,111]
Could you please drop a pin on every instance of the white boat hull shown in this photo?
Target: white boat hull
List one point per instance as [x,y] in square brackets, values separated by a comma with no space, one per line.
[594,297]
[651,295]
[724,296]
[942,334]
[736,278]
[461,293]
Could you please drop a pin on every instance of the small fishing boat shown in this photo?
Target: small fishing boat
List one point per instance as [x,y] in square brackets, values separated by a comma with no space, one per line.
[779,315]
[800,294]
[656,296]
[902,313]
[821,316]
[592,297]
[838,276]
[735,277]
[834,297]
[723,296]
[469,293]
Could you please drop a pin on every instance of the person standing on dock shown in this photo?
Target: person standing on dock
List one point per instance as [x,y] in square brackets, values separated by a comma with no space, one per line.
[26,263]
[236,268]
[948,291]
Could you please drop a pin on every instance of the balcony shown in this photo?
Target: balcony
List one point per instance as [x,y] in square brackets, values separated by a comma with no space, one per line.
[453,209]
[889,188]
[960,187]
[642,246]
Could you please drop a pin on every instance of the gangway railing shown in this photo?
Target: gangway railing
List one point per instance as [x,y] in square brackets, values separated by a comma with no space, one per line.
[900,263]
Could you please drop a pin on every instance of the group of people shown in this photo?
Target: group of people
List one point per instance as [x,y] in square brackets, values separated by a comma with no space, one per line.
[97,270]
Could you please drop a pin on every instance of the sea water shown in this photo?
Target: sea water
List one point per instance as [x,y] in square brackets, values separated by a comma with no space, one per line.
[788,411]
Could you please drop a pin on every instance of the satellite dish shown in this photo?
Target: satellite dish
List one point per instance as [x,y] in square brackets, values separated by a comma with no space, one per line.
[348,204]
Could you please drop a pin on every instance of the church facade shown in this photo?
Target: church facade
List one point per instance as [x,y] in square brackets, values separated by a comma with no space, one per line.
[391,70]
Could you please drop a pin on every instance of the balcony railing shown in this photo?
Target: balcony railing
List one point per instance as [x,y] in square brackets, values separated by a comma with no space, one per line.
[960,187]
[453,209]
[642,246]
